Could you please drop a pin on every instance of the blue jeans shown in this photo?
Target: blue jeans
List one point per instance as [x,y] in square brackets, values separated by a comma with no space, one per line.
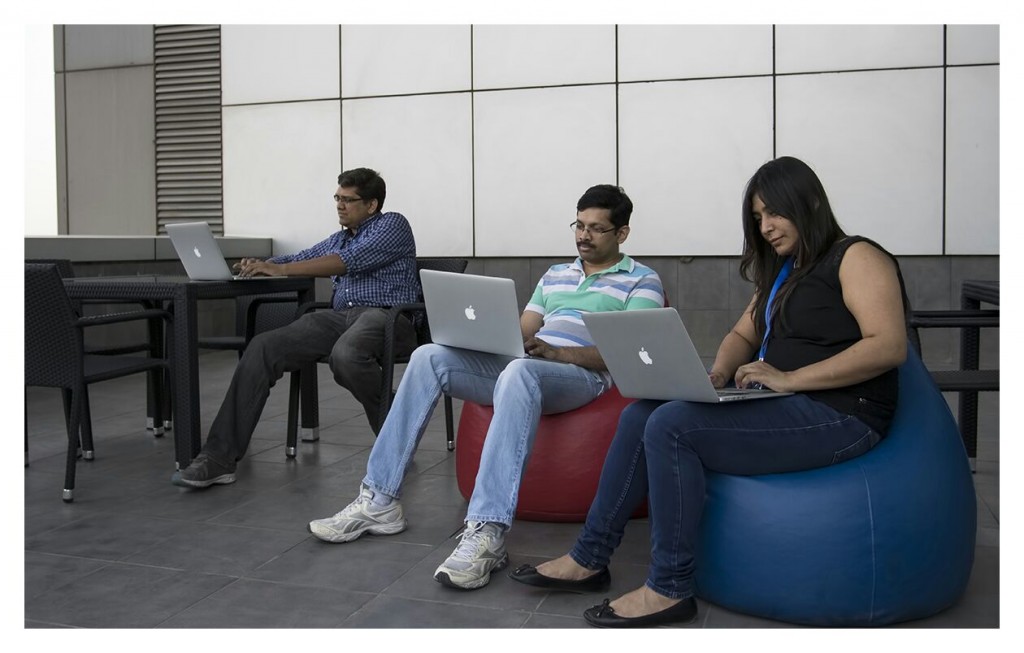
[521,390]
[661,450]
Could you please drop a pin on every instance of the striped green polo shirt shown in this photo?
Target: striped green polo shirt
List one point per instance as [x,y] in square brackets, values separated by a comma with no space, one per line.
[565,292]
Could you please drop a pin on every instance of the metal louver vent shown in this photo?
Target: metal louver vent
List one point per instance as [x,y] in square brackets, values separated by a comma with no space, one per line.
[189,177]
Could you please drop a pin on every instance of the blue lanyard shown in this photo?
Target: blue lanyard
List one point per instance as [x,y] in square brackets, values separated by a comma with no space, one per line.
[787,267]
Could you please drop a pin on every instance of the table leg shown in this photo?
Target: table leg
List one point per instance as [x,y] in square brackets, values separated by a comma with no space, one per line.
[187,426]
[155,389]
[309,392]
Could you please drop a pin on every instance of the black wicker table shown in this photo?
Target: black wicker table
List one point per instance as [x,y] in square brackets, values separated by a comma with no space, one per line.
[183,295]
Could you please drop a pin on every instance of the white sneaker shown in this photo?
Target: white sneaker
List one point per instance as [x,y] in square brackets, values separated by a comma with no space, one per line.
[480,551]
[360,516]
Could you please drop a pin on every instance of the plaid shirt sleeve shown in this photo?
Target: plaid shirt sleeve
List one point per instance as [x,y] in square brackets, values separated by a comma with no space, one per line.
[329,245]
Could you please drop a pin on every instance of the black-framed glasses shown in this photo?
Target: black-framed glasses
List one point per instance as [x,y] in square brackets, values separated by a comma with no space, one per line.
[579,228]
[338,199]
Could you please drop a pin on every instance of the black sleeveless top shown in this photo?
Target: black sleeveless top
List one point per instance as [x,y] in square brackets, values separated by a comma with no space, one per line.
[815,325]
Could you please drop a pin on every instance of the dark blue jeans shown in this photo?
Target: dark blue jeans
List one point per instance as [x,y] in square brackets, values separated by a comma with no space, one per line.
[661,450]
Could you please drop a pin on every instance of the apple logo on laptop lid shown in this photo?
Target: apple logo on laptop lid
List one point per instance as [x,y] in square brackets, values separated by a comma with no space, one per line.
[645,357]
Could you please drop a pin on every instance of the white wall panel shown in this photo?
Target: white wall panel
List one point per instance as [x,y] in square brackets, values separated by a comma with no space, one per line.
[650,52]
[804,48]
[422,146]
[972,44]
[281,166]
[972,161]
[269,63]
[875,140]
[507,56]
[686,151]
[536,152]
[396,59]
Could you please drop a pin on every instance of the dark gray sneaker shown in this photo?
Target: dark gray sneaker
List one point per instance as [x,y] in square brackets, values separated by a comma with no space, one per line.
[203,472]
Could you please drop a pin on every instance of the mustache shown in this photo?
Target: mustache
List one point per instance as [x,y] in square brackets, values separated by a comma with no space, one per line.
[580,243]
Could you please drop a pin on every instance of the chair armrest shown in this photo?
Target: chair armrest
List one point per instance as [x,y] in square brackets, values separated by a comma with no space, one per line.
[115,318]
[415,310]
[254,307]
[389,327]
[311,306]
[953,319]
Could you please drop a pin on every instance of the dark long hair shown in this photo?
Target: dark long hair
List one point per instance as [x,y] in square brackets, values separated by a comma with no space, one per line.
[789,188]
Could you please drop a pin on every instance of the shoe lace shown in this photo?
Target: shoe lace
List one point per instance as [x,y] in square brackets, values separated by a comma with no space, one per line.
[472,540]
[365,496]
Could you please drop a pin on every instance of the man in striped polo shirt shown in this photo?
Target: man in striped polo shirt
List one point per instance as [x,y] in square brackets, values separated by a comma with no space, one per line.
[564,371]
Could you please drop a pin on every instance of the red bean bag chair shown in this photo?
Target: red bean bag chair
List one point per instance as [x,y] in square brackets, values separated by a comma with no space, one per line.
[561,476]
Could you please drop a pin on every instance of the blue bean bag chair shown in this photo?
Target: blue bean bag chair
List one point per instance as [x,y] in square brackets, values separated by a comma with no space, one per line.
[883,538]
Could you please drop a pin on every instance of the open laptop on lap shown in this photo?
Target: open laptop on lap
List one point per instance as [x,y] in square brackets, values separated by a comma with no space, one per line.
[473,312]
[651,356]
[199,252]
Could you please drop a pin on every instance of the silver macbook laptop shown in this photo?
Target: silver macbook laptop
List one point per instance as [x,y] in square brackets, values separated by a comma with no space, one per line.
[650,356]
[473,312]
[199,252]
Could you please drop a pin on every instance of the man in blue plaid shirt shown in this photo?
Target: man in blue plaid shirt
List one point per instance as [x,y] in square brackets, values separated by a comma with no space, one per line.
[372,262]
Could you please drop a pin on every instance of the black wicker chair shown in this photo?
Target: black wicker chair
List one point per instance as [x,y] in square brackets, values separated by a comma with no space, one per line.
[158,399]
[966,381]
[416,312]
[55,355]
[254,314]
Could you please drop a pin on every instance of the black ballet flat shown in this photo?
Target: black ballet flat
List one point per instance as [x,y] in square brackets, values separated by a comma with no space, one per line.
[603,616]
[529,575]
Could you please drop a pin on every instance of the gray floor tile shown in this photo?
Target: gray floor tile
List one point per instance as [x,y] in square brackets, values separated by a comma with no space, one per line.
[551,621]
[395,612]
[714,616]
[112,537]
[122,596]
[369,564]
[45,572]
[217,549]
[260,604]
[172,502]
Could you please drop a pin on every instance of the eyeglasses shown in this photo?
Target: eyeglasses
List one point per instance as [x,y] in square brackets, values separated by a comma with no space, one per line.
[338,199]
[579,228]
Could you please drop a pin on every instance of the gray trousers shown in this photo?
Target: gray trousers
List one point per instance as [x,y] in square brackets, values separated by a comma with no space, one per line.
[353,341]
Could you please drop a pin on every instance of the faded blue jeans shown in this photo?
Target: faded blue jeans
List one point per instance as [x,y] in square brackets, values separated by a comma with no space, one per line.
[521,390]
[661,450]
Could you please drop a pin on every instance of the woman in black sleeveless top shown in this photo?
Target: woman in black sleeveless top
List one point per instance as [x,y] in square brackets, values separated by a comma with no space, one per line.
[826,323]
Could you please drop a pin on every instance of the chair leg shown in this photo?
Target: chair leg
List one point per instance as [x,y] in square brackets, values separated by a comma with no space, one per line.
[74,424]
[88,451]
[310,399]
[294,382]
[25,422]
[66,396]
